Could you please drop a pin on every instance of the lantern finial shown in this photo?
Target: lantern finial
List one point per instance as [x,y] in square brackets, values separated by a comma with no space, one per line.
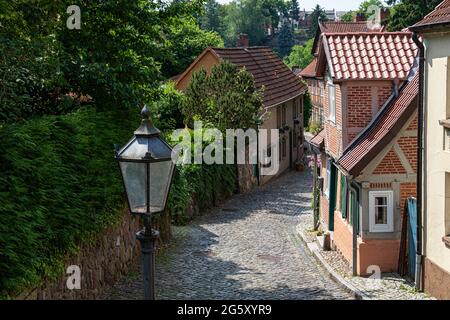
[145,112]
[147,128]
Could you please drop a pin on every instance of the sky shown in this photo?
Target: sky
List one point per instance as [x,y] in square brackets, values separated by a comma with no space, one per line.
[343,5]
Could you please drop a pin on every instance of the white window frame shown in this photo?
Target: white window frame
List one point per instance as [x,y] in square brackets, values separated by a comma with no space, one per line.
[389,227]
[326,189]
[332,102]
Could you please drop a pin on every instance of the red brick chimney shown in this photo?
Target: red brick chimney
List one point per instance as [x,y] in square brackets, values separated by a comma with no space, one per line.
[384,16]
[360,17]
[243,40]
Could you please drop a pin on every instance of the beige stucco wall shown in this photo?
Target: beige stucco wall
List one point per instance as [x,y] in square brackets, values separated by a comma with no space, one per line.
[437,161]
[271,123]
[207,62]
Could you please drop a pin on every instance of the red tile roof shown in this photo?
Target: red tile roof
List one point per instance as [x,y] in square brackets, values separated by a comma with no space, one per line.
[280,83]
[437,17]
[382,129]
[344,27]
[318,140]
[366,56]
[310,70]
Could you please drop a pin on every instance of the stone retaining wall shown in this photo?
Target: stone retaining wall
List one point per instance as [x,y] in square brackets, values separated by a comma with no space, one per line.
[101,263]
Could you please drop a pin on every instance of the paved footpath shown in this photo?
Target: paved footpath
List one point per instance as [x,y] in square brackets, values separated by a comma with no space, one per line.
[245,249]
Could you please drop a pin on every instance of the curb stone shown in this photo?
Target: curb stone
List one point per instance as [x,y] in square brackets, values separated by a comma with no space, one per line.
[314,249]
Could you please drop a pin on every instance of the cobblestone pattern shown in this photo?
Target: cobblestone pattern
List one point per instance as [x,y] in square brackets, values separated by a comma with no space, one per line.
[390,287]
[246,249]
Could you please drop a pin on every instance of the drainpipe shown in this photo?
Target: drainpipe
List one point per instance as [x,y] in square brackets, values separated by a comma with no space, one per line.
[419,162]
[355,220]
[258,168]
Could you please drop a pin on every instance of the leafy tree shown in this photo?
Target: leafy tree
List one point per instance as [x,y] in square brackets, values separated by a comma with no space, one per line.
[246,16]
[348,16]
[116,57]
[225,99]
[272,9]
[317,14]
[184,42]
[285,40]
[405,13]
[294,10]
[166,112]
[212,19]
[364,10]
[300,55]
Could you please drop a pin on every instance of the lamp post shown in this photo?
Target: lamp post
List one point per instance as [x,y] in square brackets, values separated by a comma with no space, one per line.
[146,167]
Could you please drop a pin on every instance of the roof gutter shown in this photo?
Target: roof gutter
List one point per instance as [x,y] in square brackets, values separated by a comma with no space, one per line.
[420,148]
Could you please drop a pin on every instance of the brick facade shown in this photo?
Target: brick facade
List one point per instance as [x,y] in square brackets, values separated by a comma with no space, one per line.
[391,164]
[408,145]
[406,190]
[359,106]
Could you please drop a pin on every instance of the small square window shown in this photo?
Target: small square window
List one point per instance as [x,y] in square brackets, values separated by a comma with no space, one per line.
[381,211]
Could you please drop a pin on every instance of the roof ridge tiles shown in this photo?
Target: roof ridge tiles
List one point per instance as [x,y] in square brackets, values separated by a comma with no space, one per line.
[369,34]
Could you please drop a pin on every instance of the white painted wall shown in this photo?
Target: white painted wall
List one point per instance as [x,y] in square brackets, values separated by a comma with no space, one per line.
[437,161]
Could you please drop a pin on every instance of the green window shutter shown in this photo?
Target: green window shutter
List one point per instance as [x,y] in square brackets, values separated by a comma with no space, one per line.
[343,196]
[332,197]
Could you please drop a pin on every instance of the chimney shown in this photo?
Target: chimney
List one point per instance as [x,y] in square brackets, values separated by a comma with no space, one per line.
[360,17]
[384,16]
[243,40]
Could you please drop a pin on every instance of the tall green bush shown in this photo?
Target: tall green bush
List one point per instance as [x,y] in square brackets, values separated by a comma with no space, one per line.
[59,185]
[204,183]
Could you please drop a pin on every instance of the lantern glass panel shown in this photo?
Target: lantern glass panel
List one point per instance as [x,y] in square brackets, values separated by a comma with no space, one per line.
[160,178]
[135,179]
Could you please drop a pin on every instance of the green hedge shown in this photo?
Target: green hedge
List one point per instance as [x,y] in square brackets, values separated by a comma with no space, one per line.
[60,186]
[205,183]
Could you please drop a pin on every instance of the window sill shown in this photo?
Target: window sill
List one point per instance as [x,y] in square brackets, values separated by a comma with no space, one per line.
[446,240]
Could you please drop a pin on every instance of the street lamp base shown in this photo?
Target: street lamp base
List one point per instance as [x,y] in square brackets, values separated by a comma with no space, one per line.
[147,240]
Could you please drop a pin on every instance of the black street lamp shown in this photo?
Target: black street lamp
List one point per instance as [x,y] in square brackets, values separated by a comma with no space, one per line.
[147,168]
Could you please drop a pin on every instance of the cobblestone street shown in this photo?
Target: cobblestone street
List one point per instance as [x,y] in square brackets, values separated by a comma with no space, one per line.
[245,249]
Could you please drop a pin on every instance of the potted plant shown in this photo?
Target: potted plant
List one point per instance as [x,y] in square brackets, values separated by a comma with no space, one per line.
[299,165]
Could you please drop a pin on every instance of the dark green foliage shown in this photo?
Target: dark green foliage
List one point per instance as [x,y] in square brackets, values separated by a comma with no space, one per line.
[59,185]
[285,40]
[185,42]
[317,15]
[203,184]
[117,56]
[167,110]
[30,80]
[226,99]
[294,10]
[406,13]
[206,184]
[212,19]
[300,56]
[349,16]
[247,16]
